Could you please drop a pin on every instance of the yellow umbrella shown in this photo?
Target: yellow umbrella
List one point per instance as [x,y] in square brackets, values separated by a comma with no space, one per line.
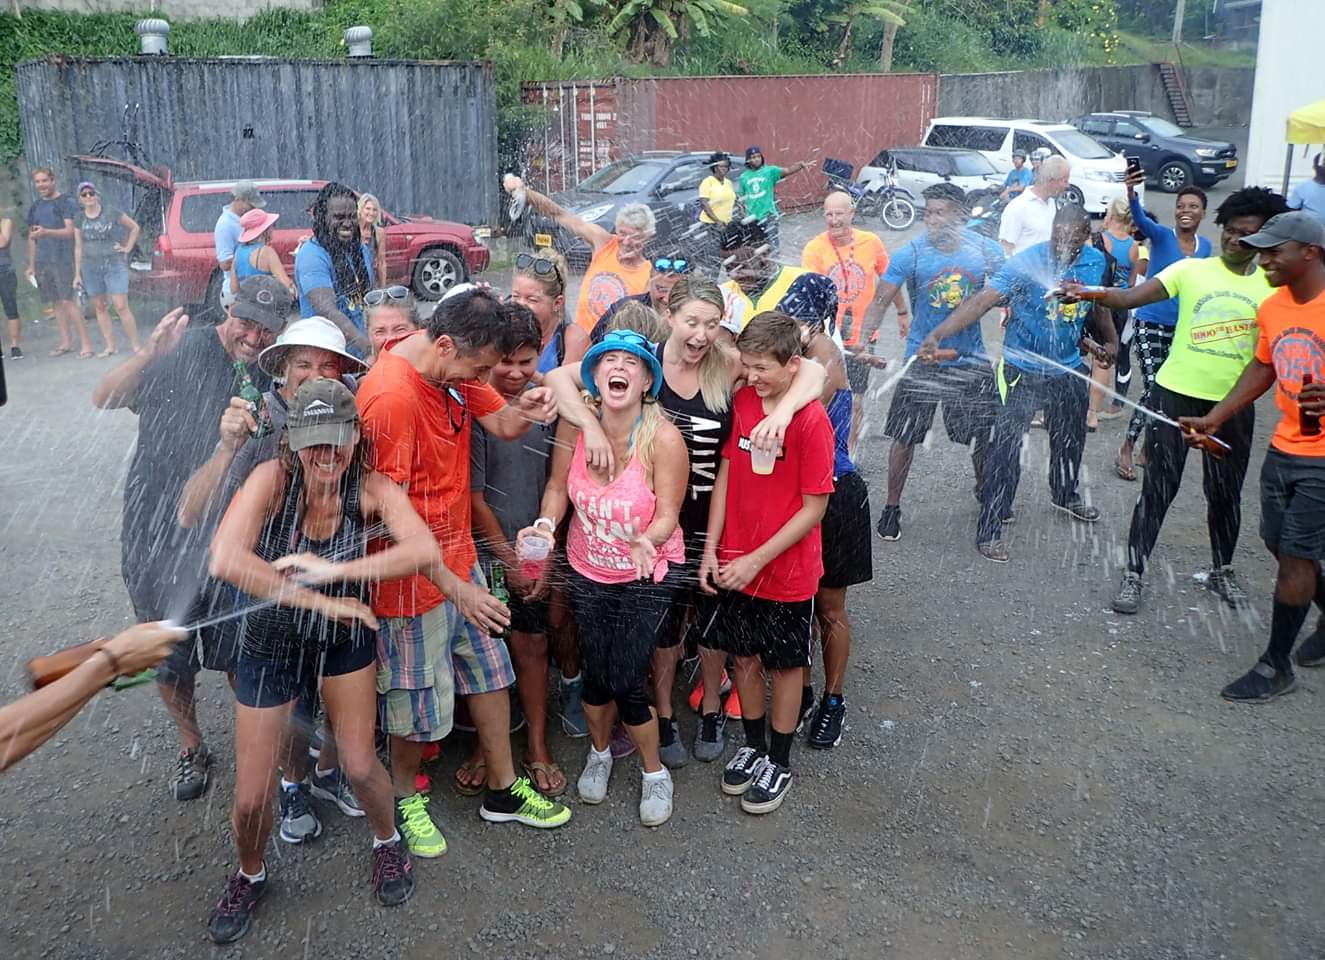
[1305,125]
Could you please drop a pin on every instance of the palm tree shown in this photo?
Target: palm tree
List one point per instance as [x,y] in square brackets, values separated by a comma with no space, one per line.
[886,11]
[653,27]
[889,38]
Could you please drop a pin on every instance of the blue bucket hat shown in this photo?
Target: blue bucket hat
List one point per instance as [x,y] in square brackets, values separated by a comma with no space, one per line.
[625,341]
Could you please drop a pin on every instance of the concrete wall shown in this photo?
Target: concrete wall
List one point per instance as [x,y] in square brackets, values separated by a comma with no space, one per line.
[1220,96]
[173,9]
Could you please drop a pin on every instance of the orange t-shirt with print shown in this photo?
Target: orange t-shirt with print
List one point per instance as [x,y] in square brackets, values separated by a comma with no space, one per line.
[1292,339]
[606,281]
[855,269]
[420,437]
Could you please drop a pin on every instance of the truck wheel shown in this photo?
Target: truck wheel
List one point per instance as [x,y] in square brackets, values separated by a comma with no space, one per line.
[436,271]
[1174,175]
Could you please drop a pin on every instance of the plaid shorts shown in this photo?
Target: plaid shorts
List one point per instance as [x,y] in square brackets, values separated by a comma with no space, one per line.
[417,684]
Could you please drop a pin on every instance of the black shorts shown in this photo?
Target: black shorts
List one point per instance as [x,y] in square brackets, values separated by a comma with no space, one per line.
[969,397]
[260,682]
[858,372]
[1293,504]
[689,598]
[845,531]
[619,625]
[55,281]
[777,632]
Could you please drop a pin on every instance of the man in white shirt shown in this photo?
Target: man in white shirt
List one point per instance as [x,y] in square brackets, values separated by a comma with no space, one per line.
[244,196]
[1310,194]
[1029,219]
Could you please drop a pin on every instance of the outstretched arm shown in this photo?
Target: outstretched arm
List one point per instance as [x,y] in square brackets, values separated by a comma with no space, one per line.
[590,233]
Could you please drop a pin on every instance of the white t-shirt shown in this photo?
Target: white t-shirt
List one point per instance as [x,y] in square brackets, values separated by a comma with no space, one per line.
[1028,220]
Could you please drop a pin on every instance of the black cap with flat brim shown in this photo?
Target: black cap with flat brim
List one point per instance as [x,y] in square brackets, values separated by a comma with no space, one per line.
[1296,225]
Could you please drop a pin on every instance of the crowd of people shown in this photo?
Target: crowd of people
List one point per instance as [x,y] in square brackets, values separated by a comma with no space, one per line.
[386,523]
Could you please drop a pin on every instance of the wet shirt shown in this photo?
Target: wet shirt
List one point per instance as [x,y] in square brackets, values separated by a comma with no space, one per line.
[1046,327]
[101,233]
[313,271]
[1019,180]
[511,475]
[179,402]
[1164,250]
[1027,220]
[52,214]
[608,280]
[758,506]
[839,415]
[756,189]
[1216,332]
[854,268]
[1292,339]
[937,281]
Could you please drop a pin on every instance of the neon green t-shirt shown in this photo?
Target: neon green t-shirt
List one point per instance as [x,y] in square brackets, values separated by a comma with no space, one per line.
[1216,332]
[757,191]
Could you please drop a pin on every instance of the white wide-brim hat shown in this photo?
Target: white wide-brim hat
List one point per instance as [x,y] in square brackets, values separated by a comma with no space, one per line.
[318,332]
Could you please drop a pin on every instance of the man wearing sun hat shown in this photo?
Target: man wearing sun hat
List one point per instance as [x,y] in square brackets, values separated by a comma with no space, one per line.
[244,196]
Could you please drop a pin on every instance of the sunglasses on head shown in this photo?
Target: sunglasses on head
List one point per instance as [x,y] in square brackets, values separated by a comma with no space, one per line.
[541,266]
[626,337]
[394,293]
[672,265]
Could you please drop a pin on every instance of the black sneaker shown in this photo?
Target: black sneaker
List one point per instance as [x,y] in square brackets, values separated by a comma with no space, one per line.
[1224,582]
[768,790]
[1078,509]
[826,728]
[890,523]
[15,353]
[1128,598]
[393,873]
[192,773]
[1259,684]
[233,912]
[1312,651]
[741,770]
[807,708]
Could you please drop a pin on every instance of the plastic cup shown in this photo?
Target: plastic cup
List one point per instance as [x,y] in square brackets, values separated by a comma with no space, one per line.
[761,461]
[532,552]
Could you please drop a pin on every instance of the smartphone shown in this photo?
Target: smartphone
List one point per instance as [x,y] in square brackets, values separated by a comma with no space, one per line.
[1133,164]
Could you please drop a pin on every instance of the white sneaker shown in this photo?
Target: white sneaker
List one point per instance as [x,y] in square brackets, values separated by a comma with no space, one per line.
[593,781]
[655,802]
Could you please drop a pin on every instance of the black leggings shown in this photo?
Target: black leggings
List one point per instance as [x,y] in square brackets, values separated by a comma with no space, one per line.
[1166,455]
[9,292]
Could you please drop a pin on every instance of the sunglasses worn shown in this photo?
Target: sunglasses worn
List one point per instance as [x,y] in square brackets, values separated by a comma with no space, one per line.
[672,265]
[394,293]
[541,266]
[87,193]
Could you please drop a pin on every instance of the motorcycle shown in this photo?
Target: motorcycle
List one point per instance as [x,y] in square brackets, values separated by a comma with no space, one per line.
[987,215]
[880,197]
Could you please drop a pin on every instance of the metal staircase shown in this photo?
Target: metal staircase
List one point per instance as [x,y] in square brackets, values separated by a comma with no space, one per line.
[1175,88]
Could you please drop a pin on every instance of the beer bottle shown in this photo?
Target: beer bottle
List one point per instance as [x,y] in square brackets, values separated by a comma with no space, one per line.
[501,592]
[249,391]
[1308,424]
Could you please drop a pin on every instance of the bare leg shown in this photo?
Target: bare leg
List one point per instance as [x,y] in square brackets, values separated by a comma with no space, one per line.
[406,758]
[601,720]
[259,734]
[899,468]
[74,315]
[646,740]
[103,321]
[530,653]
[750,687]
[711,665]
[127,319]
[15,330]
[830,608]
[786,700]
[665,660]
[352,707]
[491,713]
[561,632]
[178,698]
[1102,377]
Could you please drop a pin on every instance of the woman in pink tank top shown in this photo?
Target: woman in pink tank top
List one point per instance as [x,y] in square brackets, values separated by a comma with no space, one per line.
[626,554]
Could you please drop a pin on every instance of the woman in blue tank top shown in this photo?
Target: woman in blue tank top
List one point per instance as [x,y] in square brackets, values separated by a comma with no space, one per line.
[540,284]
[1115,238]
[254,254]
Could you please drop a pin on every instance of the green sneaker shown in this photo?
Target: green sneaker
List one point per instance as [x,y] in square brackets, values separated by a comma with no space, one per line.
[522,803]
[416,826]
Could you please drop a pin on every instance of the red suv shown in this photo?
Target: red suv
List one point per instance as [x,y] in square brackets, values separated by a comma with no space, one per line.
[175,260]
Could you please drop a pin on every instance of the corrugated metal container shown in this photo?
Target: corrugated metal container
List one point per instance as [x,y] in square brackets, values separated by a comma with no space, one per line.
[849,117]
[421,135]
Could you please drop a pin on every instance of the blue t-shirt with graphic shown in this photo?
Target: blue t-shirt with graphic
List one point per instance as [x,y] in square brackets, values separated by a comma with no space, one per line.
[1022,179]
[937,281]
[1039,326]
[313,270]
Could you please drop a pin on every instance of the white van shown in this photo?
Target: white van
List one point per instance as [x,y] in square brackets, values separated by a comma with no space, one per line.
[1097,172]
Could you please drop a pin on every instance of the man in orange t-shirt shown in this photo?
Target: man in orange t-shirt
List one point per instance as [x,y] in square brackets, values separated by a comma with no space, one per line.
[439,634]
[1290,357]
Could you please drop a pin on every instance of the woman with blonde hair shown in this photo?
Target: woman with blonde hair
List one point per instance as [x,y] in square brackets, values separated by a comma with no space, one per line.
[372,234]
[1115,238]
[539,283]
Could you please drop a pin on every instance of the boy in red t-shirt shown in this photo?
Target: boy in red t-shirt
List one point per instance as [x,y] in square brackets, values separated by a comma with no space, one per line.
[764,556]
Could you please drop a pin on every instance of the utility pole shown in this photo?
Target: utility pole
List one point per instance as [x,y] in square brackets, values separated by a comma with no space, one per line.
[1177,21]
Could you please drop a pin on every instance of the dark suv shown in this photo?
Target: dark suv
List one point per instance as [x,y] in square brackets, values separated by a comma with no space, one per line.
[1170,156]
[667,181]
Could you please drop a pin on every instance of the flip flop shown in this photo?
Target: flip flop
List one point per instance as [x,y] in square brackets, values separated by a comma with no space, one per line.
[86,355]
[108,353]
[60,351]
[473,770]
[555,778]
[1122,471]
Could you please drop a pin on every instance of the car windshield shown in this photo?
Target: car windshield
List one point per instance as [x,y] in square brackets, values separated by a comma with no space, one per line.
[1078,144]
[1161,127]
[624,176]
[971,165]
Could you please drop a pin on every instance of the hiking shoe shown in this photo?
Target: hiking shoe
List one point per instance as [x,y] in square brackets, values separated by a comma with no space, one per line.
[192,773]
[890,523]
[1224,582]
[592,785]
[655,800]
[298,821]
[573,722]
[741,770]
[995,550]
[414,823]
[768,790]
[393,873]
[807,708]
[522,803]
[1128,598]
[233,912]
[711,737]
[621,745]
[826,727]
[334,787]
[1078,509]
[1261,683]
[673,754]
[1312,651]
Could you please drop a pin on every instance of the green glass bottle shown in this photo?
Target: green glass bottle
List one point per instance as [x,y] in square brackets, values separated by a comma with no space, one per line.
[249,391]
[501,592]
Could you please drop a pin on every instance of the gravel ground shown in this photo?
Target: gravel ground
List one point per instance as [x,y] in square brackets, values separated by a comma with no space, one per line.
[1025,774]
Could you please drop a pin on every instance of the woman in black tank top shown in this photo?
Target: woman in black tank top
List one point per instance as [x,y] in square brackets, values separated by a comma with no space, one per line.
[296,535]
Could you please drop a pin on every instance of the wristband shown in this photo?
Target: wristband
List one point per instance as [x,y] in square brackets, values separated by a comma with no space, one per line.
[551,526]
[114,660]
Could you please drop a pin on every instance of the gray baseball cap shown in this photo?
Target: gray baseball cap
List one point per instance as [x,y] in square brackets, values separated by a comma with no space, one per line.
[263,300]
[247,191]
[322,413]
[1298,225]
